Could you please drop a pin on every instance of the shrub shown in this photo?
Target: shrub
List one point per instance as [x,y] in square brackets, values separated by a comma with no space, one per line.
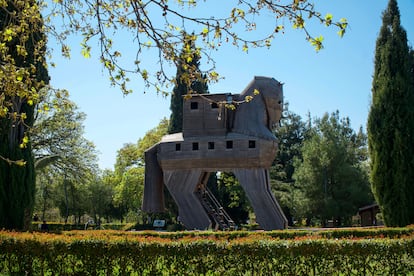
[208,253]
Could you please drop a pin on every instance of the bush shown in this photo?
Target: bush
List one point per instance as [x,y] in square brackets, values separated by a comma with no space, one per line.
[208,253]
[58,227]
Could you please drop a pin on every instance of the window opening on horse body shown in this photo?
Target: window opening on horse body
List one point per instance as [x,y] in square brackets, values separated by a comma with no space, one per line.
[252,144]
[194,105]
[229,144]
[195,146]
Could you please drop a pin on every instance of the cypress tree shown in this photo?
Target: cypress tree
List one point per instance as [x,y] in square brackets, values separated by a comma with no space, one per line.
[391,122]
[184,84]
[24,52]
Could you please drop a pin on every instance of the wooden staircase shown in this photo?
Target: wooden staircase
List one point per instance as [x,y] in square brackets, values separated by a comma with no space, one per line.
[216,212]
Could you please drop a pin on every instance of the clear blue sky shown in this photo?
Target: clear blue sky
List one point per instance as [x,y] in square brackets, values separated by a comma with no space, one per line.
[336,78]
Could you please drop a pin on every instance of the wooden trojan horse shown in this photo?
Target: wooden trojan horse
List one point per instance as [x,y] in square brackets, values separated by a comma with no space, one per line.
[218,139]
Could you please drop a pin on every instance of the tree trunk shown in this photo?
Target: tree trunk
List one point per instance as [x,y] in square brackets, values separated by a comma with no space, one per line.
[66,200]
[17,183]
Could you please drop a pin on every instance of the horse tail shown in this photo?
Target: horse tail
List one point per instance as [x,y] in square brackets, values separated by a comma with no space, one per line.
[153,200]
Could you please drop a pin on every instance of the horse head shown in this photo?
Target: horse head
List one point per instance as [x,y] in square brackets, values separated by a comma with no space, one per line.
[260,116]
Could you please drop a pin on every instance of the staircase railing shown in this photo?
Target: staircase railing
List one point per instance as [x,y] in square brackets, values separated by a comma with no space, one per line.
[215,210]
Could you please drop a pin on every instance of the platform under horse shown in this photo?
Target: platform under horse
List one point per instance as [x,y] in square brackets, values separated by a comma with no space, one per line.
[217,138]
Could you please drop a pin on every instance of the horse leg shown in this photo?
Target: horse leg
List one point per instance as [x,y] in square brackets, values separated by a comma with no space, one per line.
[182,185]
[153,200]
[256,184]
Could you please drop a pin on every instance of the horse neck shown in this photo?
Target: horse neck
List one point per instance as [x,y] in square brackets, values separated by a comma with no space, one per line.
[250,118]
[252,107]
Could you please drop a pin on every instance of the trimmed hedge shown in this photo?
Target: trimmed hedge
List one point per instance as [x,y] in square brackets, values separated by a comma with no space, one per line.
[59,227]
[205,253]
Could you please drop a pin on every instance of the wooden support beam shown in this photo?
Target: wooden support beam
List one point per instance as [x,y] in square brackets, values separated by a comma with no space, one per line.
[182,185]
[256,184]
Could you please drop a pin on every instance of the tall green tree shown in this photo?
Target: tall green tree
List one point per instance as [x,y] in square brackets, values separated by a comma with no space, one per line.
[45,190]
[130,190]
[73,199]
[127,157]
[64,159]
[22,74]
[58,132]
[332,175]
[189,63]
[128,176]
[100,198]
[391,122]
[291,134]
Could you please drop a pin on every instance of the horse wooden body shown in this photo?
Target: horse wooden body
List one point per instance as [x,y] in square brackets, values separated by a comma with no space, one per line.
[216,138]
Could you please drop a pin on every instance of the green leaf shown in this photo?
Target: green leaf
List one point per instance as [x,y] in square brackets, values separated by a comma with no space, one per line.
[341,32]
[86,53]
[20,163]
[144,74]
[299,23]
[248,98]
[328,19]
[317,42]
